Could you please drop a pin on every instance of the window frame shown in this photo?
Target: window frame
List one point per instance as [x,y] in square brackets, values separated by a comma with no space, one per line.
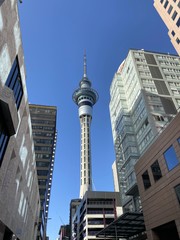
[168,162]
[177,193]
[155,176]
[145,177]
[14,82]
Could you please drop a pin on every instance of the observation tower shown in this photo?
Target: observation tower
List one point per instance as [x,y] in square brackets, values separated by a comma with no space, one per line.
[85,97]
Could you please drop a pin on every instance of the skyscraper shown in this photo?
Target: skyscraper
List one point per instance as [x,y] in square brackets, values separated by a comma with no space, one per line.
[144,99]
[19,193]
[85,97]
[169,10]
[43,120]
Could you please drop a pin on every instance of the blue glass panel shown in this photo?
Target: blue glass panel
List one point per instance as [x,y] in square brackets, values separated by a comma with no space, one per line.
[14,66]
[14,82]
[171,158]
[3,144]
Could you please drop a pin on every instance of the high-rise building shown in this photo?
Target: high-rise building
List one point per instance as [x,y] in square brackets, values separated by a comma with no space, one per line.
[19,193]
[169,10]
[43,120]
[74,204]
[85,97]
[144,99]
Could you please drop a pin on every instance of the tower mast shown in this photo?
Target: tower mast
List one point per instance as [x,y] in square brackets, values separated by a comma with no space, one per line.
[85,97]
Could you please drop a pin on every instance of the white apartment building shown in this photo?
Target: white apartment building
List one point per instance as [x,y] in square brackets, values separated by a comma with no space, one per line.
[95,212]
[169,11]
[145,96]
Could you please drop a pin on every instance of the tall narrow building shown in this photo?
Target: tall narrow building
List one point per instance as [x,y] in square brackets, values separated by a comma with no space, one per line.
[169,11]
[85,97]
[43,119]
[19,193]
[145,97]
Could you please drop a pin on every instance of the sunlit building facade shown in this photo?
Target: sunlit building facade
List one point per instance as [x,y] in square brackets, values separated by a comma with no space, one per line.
[158,180]
[96,211]
[43,120]
[144,99]
[19,193]
[169,11]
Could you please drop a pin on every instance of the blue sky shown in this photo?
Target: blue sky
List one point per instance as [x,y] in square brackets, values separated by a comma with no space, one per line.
[55,34]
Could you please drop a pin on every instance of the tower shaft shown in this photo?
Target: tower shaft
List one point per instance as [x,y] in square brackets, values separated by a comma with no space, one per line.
[86,181]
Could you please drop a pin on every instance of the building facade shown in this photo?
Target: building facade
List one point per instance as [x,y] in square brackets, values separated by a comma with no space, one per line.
[96,211]
[19,193]
[64,232]
[159,184]
[43,120]
[74,204]
[144,99]
[85,97]
[169,11]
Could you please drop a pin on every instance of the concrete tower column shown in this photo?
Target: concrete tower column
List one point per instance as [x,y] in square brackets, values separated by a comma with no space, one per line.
[85,97]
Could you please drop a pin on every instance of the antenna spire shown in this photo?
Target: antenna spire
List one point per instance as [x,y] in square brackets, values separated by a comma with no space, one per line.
[85,64]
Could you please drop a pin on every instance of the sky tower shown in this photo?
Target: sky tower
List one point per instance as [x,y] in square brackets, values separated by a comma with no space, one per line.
[85,97]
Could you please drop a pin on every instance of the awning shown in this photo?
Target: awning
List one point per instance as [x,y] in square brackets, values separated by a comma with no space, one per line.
[127,225]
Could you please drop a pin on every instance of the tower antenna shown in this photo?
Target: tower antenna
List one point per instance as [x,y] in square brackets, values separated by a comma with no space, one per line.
[85,64]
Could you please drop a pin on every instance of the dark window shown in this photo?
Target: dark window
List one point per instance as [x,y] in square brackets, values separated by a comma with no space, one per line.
[173,33]
[42,182]
[166,3]
[161,1]
[174,0]
[146,180]
[42,191]
[3,144]
[170,9]
[178,22]
[14,82]
[171,158]
[177,40]
[177,190]
[179,4]
[178,140]
[174,15]
[156,171]
[42,172]
[42,164]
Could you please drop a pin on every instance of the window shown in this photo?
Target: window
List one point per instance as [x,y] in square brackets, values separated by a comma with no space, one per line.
[174,15]
[14,82]
[146,180]
[174,0]
[42,182]
[178,140]
[177,40]
[179,4]
[178,22]
[173,33]
[42,172]
[3,144]
[161,1]
[170,9]
[166,3]
[171,158]
[177,191]
[42,164]
[156,171]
